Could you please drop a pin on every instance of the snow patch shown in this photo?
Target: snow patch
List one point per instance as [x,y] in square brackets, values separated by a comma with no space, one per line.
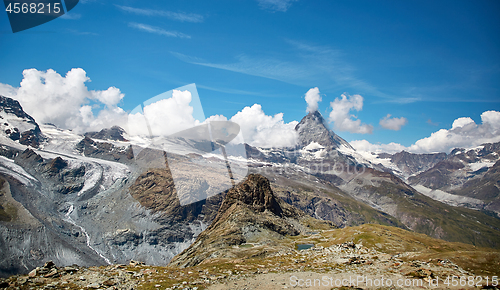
[448,198]
[480,164]
[8,166]
[313,146]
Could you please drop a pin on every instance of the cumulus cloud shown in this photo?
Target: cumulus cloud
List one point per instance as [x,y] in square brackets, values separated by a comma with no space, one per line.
[168,116]
[312,98]
[464,133]
[342,119]
[66,101]
[163,117]
[7,90]
[259,129]
[460,122]
[363,145]
[393,123]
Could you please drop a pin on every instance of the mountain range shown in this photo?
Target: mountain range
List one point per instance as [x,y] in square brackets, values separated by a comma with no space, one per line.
[106,197]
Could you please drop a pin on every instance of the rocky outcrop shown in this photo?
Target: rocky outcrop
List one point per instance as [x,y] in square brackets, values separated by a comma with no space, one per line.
[250,213]
[255,193]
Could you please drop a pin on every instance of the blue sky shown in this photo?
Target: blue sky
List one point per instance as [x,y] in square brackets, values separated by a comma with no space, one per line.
[429,62]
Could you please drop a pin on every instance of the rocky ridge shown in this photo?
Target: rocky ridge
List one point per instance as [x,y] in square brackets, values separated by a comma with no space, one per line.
[114,133]
[249,213]
[17,125]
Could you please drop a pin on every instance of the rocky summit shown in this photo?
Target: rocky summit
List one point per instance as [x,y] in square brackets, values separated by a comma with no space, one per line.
[313,128]
[17,125]
[249,214]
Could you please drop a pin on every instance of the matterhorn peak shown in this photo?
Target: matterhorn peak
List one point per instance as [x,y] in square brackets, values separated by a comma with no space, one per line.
[313,128]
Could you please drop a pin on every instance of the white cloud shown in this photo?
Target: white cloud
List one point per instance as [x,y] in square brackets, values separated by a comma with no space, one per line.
[342,119]
[177,16]
[276,5]
[66,102]
[464,133]
[157,30]
[460,122]
[363,145]
[164,117]
[168,116]
[63,100]
[216,118]
[393,123]
[312,98]
[259,129]
[492,119]
[110,97]
[7,90]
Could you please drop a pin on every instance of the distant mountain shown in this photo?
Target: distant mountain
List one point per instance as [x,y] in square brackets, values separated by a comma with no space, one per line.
[411,163]
[114,133]
[17,125]
[468,177]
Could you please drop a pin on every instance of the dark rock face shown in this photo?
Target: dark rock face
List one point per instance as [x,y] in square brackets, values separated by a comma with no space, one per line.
[66,180]
[56,165]
[313,128]
[155,190]
[30,156]
[30,137]
[11,106]
[485,187]
[114,133]
[103,150]
[256,193]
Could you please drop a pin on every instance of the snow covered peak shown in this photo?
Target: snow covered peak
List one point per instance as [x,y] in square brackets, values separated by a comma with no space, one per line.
[313,128]
[16,125]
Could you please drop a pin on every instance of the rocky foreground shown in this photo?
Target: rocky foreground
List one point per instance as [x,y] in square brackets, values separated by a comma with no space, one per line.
[338,259]
[330,267]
